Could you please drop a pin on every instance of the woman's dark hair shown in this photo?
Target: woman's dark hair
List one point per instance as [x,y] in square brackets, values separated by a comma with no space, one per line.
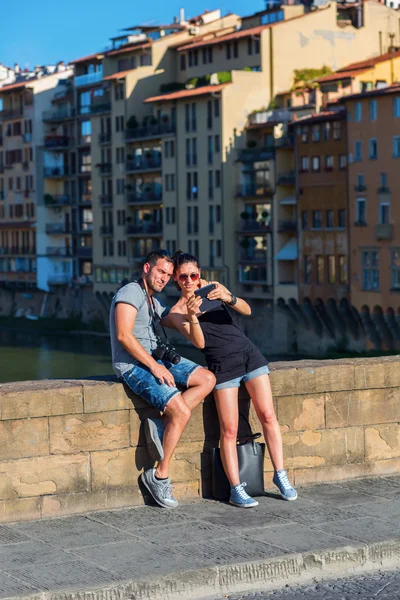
[180,258]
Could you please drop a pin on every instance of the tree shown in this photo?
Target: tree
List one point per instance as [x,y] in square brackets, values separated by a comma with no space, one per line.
[305,79]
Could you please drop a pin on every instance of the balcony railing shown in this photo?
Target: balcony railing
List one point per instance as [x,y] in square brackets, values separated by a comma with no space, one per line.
[105,138]
[149,131]
[289,225]
[11,113]
[256,154]
[57,200]
[106,200]
[255,256]
[95,108]
[83,252]
[144,197]
[18,250]
[144,229]
[57,228]
[59,114]
[89,78]
[58,251]
[254,226]
[360,187]
[51,172]
[59,279]
[106,230]
[105,168]
[288,178]
[85,228]
[270,116]
[286,141]
[384,231]
[52,142]
[152,163]
[249,190]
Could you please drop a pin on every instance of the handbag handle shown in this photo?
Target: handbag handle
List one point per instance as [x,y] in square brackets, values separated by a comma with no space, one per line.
[250,436]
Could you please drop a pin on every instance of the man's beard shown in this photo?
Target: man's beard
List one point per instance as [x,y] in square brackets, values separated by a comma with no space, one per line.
[150,285]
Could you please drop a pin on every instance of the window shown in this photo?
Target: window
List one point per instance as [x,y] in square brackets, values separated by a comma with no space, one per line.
[257,45]
[327,130]
[396,146]
[342,161]
[228,50]
[188,186]
[373,149]
[361,211]
[360,187]
[194,117]
[235,49]
[317,219]
[216,108]
[307,269]
[209,115]
[195,190]
[303,133]
[219,248]
[342,269]
[194,152]
[210,150]
[170,215]
[183,62]
[337,130]
[384,182]
[210,185]
[189,219]
[305,164]
[329,163]
[315,133]
[218,178]
[320,269]
[249,46]
[218,213]
[373,108]
[211,219]
[304,220]
[396,106]
[370,270]
[331,268]
[358,112]
[395,266]
[384,213]
[341,218]
[315,163]
[212,253]
[330,219]
[217,144]
[357,151]
[188,152]
[119,91]
[187,117]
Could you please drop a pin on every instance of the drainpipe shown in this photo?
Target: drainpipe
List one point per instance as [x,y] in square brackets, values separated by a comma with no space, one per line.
[271,64]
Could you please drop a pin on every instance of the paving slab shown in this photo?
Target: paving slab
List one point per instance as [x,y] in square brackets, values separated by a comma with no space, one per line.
[204,548]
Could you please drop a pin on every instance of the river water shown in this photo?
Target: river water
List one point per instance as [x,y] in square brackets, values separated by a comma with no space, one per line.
[25,356]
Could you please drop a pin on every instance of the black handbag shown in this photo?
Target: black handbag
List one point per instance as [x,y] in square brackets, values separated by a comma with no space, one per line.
[251,469]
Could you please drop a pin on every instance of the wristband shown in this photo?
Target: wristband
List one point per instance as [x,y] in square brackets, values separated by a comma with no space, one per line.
[193,322]
[233,300]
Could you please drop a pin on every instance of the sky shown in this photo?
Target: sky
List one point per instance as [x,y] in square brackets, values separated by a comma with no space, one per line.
[43,32]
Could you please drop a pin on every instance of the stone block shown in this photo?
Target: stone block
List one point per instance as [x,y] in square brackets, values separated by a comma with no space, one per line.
[300,413]
[185,466]
[104,396]
[41,402]
[324,447]
[95,431]
[362,407]
[78,503]
[44,475]
[118,468]
[312,377]
[382,442]
[382,372]
[22,438]
[20,509]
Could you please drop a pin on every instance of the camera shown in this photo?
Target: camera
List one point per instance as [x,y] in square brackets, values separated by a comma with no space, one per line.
[165,351]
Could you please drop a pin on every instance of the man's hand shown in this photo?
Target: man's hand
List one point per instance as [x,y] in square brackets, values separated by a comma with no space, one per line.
[220,293]
[162,374]
[193,306]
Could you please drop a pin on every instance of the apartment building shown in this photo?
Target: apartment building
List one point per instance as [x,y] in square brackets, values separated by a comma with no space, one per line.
[21,178]
[373,183]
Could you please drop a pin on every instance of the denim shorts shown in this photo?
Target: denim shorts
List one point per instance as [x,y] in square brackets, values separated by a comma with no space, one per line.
[235,383]
[143,383]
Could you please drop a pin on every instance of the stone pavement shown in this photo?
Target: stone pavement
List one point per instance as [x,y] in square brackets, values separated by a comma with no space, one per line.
[205,549]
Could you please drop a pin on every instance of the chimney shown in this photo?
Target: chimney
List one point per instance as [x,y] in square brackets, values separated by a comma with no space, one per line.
[17,68]
[181,15]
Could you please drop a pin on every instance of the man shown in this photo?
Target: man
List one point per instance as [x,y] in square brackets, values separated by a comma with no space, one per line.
[133,342]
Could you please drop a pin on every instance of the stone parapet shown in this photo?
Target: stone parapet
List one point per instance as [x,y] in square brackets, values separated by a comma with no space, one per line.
[75,446]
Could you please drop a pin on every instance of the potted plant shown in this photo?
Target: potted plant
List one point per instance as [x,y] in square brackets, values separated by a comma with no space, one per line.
[132,122]
[245,215]
[48,199]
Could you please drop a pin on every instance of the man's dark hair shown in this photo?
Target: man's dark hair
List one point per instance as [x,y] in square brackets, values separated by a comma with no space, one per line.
[155,256]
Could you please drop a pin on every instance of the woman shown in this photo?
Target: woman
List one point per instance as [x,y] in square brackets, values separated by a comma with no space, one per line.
[233,359]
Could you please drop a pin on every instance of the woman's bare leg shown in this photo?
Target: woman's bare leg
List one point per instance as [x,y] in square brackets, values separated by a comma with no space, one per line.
[228,413]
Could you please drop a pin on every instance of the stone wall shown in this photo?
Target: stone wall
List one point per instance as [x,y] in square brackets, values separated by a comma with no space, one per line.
[75,446]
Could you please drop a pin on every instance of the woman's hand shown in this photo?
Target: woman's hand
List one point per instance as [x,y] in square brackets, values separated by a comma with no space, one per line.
[220,293]
[203,283]
[193,306]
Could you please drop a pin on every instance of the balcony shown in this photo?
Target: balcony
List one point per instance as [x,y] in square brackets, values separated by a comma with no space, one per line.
[1,140]
[85,199]
[57,200]
[106,230]
[57,228]
[149,131]
[360,188]
[11,113]
[95,108]
[19,278]
[55,172]
[256,154]
[59,279]
[287,226]
[85,228]
[384,231]
[57,142]
[85,170]
[254,190]
[144,230]
[286,141]
[253,226]
[270,116]
[106,200]
[288,178]
[58,115]
[150,196]
[58,251]
[251,257]
[89,78]
[105,138]
[105,168]
[17,250]
[147,163]
[83,252]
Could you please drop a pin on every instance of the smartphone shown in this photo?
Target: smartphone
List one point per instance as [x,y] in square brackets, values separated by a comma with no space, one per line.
[207,304]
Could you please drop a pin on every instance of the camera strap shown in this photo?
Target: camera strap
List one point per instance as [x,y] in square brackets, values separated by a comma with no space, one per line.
[155,319]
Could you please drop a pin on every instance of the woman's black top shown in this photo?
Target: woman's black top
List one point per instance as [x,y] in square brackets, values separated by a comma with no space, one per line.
[228,351]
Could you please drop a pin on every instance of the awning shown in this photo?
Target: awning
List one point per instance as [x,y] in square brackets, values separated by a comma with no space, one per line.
[288,251]
[288,201]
